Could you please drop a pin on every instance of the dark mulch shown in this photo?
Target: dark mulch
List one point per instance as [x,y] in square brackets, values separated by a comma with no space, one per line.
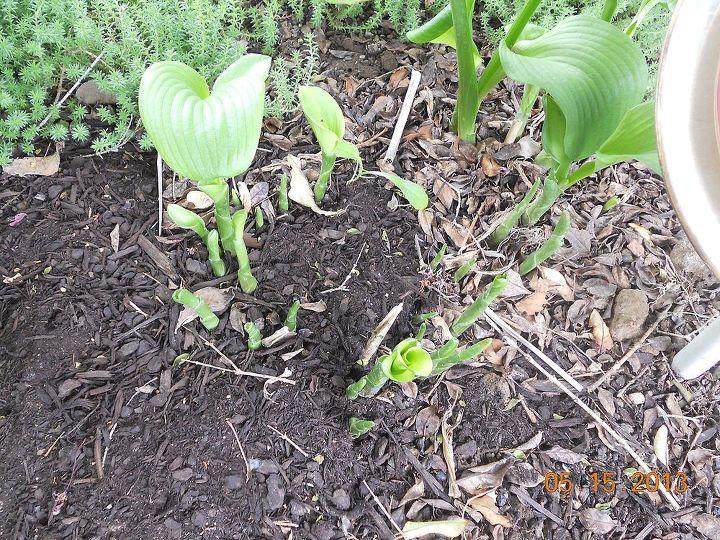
[102,438]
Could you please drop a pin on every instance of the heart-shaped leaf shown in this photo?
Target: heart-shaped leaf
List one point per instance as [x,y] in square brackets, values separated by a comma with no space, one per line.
[594,72]
[203,135]
[413,192]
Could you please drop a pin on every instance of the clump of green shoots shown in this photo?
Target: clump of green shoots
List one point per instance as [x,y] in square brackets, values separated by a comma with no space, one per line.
[475,310]
[208,319]
[218,143]
[328,124]
[549,248]
[409,361]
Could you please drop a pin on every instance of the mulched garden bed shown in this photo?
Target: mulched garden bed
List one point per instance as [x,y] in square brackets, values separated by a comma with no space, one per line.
[102,438]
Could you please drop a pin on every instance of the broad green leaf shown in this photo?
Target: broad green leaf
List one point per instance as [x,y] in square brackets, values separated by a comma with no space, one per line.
[414,193]
[450,528]
[553,131]
[594,72]
[634,138]
[324,116]
[359,427]
[201,134]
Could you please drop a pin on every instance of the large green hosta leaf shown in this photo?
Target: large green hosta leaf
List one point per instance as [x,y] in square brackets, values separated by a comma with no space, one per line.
[634,138]
[593,71]
[201,134]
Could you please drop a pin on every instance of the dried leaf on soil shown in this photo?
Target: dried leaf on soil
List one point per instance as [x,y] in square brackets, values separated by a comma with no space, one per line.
[217,299]
[597,521]
[450,528]
[485,478]
[600,331]
[489,510]
[115,238]
[300,190]
[414,493]
[532,304]
[34,166]
[660,445]
[378,335]
[563,455]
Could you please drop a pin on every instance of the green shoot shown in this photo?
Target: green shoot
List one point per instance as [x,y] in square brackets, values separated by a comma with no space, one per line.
[359,427]
[208,319]
[247,281]
[291,319]
[328,124]
[259,220]
[254,336]
[475,310]
[529,97]
[219,192]
[214,255]
[414,193]
[468,101]
[505,228]
[464,270]
[549,248]
[188,220]
[609,10]
[611,203]
[421,332]
[444,360]
[438,258]
[283,203]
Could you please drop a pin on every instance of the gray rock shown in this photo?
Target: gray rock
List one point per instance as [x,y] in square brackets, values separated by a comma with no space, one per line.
[630,310]
[90,94]
[263,466]
[467,450]
[183,475]
[276,492]
[341,499]
[686,259]
[173,525]
[234,481]
[199,518]
[497,387]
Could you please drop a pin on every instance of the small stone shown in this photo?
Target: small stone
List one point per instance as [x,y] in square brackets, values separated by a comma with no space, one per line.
[630,310]
[686,259]
[234,481]
[54,191]
[183,475]
[341,499]
[276,492]
[89,93]
[173,525]
[263,466]
[199,518]
[195,266]
[388,61]
[129,348]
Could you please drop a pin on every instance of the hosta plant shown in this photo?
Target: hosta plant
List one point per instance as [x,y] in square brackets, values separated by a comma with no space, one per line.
[247,281]
[475,310]
[409,361]
[549,248]
[203,135]
[186,298]
[328,124]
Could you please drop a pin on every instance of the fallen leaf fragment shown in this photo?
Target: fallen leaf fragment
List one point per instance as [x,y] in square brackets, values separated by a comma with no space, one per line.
[486,506]
[450,528]
[600,331]
[300,190]
[376,338]
[533,304]
[217,299]
[414,493]
[34,166]
[597,521]
[563,455]
[660,445]
[115,238]
[489,165]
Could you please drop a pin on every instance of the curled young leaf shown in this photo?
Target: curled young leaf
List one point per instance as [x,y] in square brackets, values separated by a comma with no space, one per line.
[414,193]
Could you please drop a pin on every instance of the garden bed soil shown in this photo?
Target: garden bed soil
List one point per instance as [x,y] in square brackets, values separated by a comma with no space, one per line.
[102,437]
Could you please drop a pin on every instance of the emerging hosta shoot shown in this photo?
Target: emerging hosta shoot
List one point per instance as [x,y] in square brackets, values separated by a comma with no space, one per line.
[359,427]
[447,356]
[254,336]
[247,281]
[328,124]
[208,319]
[549,248]
[291,319]
[187,219]
[283,203]
[475,310]
[215,254]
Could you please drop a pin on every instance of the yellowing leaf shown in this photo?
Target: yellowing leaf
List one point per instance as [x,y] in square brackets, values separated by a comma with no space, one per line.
[600,331]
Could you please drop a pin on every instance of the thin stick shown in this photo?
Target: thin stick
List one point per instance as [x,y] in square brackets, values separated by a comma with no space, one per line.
[241,372]
[289,440]
[632,350]
[595,416]
[504,326]
[73,88]
[242,452]
[384,510]
[160,193]
[350,273]
[403,117]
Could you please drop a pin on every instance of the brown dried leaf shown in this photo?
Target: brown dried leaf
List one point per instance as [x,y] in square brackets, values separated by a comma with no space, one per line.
[600,332]
[34,166]
[607,401]
[483,479]
[533,304]
[486,506]
[563,455]
[427,422]
[489,165]
[707,524]
[597,521]
[415,492]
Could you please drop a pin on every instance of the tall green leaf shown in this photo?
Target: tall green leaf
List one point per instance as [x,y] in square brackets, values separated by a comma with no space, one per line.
[201,134]
[634,138]
[594,72]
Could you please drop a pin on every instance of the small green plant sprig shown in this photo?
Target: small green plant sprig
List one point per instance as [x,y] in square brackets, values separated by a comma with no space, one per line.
[207,137]
[409,361]
[186,298]
[359,427]
[475,310]
[549,248]
[328,124]
[292,314]
[254,336]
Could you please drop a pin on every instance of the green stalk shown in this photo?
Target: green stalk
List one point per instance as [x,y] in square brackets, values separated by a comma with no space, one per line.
[475,310]
[259,220]
[326,169]
[549,248]
[434,28]
[609,10]
[549,194]
[188,220]
[494,71]
[291,319]
[214,255]
[208,319]
[219,192]
[529,97]
[468,103]
[254,336]
[464,270]
[585,170]
[283,203]
[247,281]
[506,227]
[470,353]
[438,258]
[370,384]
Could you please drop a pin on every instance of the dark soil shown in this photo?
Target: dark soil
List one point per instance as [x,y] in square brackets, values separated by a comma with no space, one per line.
[102,438]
